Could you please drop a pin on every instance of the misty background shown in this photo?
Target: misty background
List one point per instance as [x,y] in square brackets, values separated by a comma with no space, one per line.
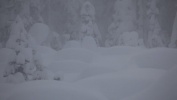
[88,49]
[64,17]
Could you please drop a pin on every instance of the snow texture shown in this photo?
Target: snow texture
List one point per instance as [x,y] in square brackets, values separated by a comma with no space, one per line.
[164,89]
[52,90]
[39,32]
[160,58]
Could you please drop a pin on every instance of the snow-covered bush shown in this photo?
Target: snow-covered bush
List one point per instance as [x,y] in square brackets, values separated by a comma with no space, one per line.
[16,78]
[44,36]
[53,40]
[39,32]
[24,62]
[72,44]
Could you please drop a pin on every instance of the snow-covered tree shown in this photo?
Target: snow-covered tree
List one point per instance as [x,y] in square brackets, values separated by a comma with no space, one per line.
[73,18]
[23,60]
[141,20]
[173,42]
[129,39]
[54,41]
[88,23]
[123,21]
[154,28]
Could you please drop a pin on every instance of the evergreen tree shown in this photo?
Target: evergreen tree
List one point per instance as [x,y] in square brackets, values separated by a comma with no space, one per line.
[141,20]
[124,20]
[73,18]
[88,23]
[24,59]
[154,28]
[173,42]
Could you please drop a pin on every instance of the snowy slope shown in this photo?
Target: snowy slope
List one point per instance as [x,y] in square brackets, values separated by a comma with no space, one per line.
[164,89]
[46,54]
[114,73]
[163,58]
[117,85]
[52,90]
[80,54]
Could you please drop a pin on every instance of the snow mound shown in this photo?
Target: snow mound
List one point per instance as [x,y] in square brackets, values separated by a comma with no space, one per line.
[118,85]
[46,54]
[164,58]
[16,78]
[94,71]
[70,70]
[72,44]
[121,50]
[68,66]
[39,32]
[106,64]
[88,42]
[52,90]
[53,40]
[164,89]
[80,54]
[4,89]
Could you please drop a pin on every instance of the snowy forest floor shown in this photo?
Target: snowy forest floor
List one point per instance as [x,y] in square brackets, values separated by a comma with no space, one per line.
[115,73]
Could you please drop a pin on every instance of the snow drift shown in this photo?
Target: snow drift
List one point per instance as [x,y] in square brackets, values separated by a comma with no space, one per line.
[52,90]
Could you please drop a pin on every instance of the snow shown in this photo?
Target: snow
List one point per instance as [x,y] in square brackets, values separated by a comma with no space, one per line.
[6,55]
[121,84]
[89,31]
[129,39]
[80,54]
[68,66]
[4,89]
[88,9]
[39,32]
[52,90]
[46,54]
[64,51]
[161,58]
[92,71]
[164,89]
[72,44]
[114,73]
[173,42]
[53,40]
[70,70]
[88,42]
[16,78]
[120,50]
